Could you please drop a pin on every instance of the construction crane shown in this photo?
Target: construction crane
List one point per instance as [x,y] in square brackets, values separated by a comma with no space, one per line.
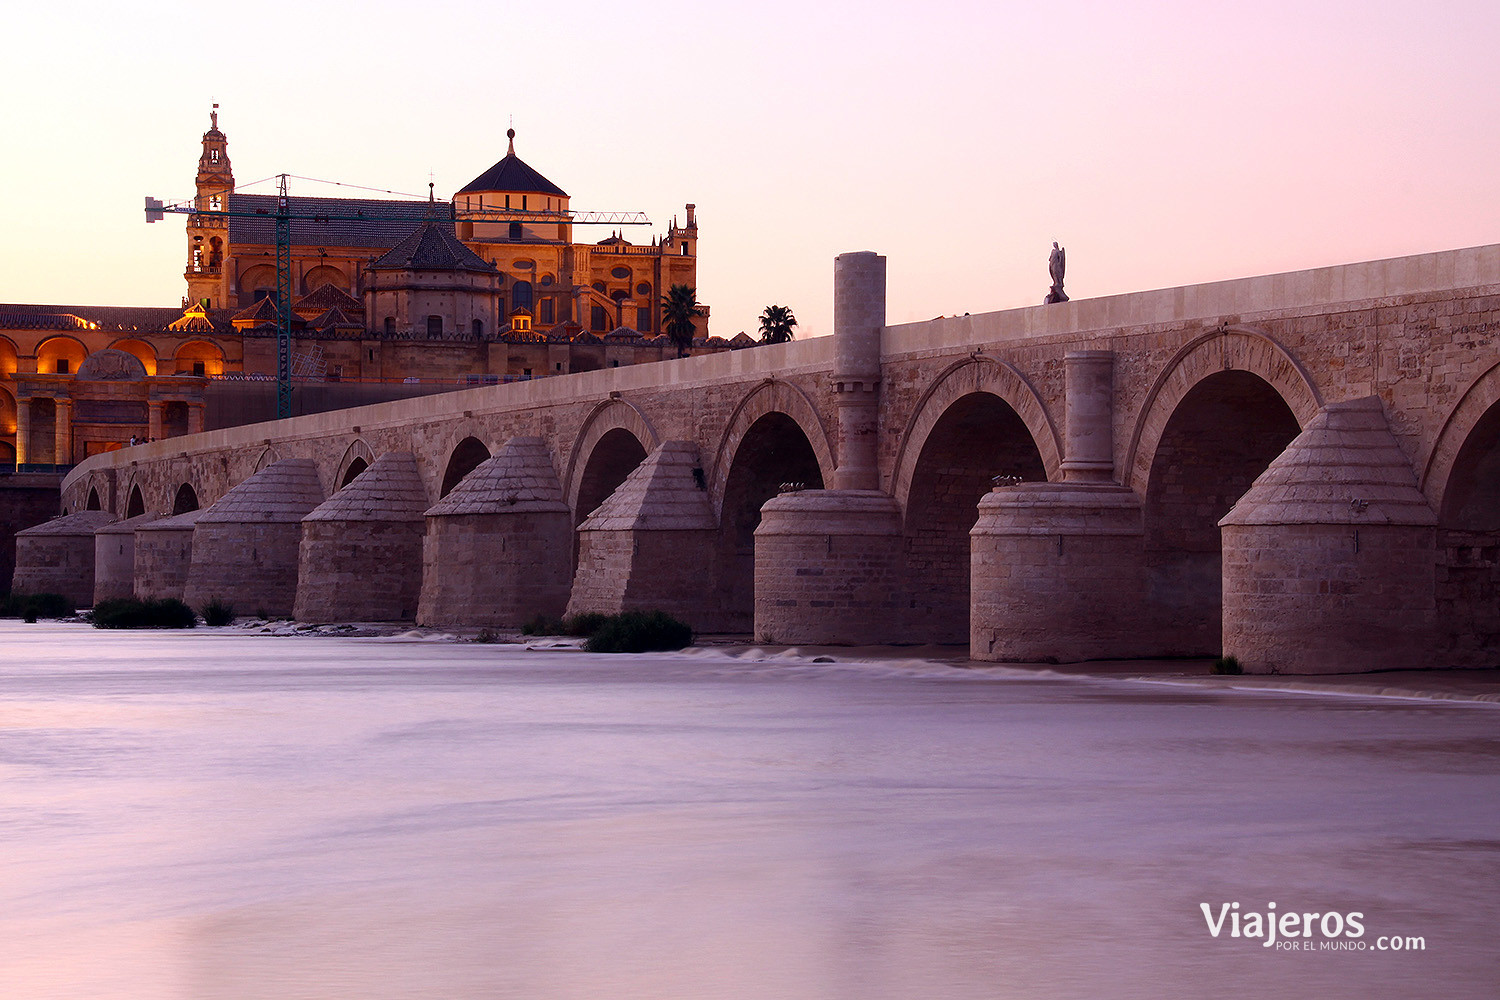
[156,210]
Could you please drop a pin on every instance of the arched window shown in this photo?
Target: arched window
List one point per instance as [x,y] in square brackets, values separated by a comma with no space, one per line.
[478,329]
[515,230]
[520,295]
[390,327]
[434,327]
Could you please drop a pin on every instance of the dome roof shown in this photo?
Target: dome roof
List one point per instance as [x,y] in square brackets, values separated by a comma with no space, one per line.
[512,174]
[433,247]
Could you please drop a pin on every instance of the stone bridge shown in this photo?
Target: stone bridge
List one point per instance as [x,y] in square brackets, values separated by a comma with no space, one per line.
[1299,469]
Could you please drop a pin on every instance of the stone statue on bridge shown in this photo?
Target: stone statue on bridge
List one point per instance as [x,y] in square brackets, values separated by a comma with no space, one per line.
[1057,263]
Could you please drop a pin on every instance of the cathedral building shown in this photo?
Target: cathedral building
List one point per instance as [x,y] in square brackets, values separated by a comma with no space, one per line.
[390,297]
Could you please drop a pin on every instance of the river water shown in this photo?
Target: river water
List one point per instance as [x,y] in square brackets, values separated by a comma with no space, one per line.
[219,814]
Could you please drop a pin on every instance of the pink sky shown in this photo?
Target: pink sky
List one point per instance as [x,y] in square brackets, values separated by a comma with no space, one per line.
[1170,144]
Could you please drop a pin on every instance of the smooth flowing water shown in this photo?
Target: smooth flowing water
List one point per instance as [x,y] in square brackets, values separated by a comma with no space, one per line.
[217,814]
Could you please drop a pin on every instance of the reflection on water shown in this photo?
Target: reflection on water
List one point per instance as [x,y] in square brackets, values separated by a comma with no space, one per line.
[218,815]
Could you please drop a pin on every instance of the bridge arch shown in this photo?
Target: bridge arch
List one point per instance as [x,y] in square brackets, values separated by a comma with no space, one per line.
[356,459]
[136,504]
[770,397]
[978,373]
[269,455]
[979,419]
[1461,479]
[1438,467]
[185,500]
[1236,348]
[775,436]
[463,459]
[605,451]
[1225,406]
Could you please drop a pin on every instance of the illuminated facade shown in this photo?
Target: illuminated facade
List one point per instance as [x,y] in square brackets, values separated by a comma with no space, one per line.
[487,287]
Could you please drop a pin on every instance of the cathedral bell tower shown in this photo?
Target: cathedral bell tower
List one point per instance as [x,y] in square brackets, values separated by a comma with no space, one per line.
[208,235]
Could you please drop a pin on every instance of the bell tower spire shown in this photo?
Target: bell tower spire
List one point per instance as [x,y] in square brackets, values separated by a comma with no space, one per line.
[208,233]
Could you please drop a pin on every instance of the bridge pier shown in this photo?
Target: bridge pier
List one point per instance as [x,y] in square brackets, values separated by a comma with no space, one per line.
[361,553]
[114,558]
[1057,570]
[829,569]
[1329,559]
[829,564]
[163,555]
[57,556]
[245,546]
[652,544]
[497,547]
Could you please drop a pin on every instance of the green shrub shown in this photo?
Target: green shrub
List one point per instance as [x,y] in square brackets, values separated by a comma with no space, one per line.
[127,612]
[585,624]
[542,625]
[582,625]
[33,606]
[639,632]
[216,612]
[1228,665]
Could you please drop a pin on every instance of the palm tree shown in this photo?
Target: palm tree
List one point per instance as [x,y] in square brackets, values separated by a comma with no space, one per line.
[776,325]
[677,309]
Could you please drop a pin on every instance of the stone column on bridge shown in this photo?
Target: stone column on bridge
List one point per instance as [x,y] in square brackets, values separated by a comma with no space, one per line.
[829,567]
[1330,557]
[1057,569]
[195,418]
[858,319]
[498,547]
[153,419]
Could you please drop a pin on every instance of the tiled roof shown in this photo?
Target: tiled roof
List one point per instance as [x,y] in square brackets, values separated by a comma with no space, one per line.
[262,309]
[280,493]
[510,336]
[389,490]
[26,316]
[335,319]
[179,522]
[584,337]
[85,522]
[432,248]
[389,223]
[329,297]
[512,174]
[1345,468]
[743,339]
[518,478]
[662,493]
[622,333]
